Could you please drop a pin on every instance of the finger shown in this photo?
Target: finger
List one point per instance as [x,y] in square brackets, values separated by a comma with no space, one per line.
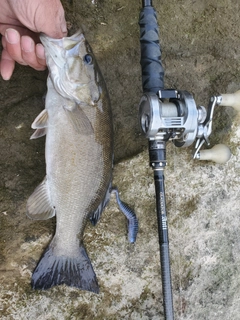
[3,42]
[23,31]
[7,65]
[49,18]
[13,45]
[40,52]
[45,16]
[29,55]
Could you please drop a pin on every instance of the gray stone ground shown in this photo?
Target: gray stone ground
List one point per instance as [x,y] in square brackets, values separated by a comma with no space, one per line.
[200,44]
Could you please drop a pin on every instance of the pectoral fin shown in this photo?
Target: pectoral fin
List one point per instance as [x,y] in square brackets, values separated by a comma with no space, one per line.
[79,120]
[38,133]
[39,206]
[41,120]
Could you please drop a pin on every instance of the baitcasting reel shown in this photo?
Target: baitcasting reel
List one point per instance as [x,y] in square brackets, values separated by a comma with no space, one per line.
[173,115]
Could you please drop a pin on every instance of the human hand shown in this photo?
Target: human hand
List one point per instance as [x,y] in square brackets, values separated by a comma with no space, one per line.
[20,23]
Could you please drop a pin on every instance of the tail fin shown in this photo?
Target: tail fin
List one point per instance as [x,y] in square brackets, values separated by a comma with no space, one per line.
[55,270]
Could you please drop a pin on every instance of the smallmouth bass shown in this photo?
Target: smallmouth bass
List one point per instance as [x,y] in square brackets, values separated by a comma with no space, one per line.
[77,122]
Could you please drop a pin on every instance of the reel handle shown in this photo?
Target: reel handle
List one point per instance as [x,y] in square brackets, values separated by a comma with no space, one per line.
[220,153]
[231,100]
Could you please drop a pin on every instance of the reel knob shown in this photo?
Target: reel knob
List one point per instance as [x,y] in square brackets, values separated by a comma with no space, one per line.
[231,100]
[220,153]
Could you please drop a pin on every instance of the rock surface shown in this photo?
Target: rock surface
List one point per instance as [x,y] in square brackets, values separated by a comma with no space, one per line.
[200,44]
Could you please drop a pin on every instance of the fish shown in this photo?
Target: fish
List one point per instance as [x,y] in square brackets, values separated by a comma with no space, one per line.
[77,123]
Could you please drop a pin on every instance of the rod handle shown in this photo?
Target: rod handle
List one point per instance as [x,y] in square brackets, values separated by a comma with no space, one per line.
[220,153]
[152,69]
[231,100]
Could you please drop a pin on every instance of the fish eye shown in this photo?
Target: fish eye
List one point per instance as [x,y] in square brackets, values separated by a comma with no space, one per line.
[88,59]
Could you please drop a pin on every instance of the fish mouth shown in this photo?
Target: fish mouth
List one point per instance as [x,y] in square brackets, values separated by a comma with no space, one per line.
[58,49]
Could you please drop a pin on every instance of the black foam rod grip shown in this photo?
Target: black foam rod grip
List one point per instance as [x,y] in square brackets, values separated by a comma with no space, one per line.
[152,69]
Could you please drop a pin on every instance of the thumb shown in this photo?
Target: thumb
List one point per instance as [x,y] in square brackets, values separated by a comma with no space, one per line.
[45,16]
[49,18]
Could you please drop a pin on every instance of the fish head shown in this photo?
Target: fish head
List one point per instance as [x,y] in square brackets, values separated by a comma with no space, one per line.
[73,68]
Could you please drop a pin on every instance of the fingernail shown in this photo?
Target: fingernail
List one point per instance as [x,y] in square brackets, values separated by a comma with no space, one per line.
[40,51]
[27,44]
[12,36]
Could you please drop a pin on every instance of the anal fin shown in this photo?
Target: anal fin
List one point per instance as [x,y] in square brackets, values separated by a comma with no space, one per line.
[39,206]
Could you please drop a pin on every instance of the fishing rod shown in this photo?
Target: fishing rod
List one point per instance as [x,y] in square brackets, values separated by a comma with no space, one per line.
[171,115]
